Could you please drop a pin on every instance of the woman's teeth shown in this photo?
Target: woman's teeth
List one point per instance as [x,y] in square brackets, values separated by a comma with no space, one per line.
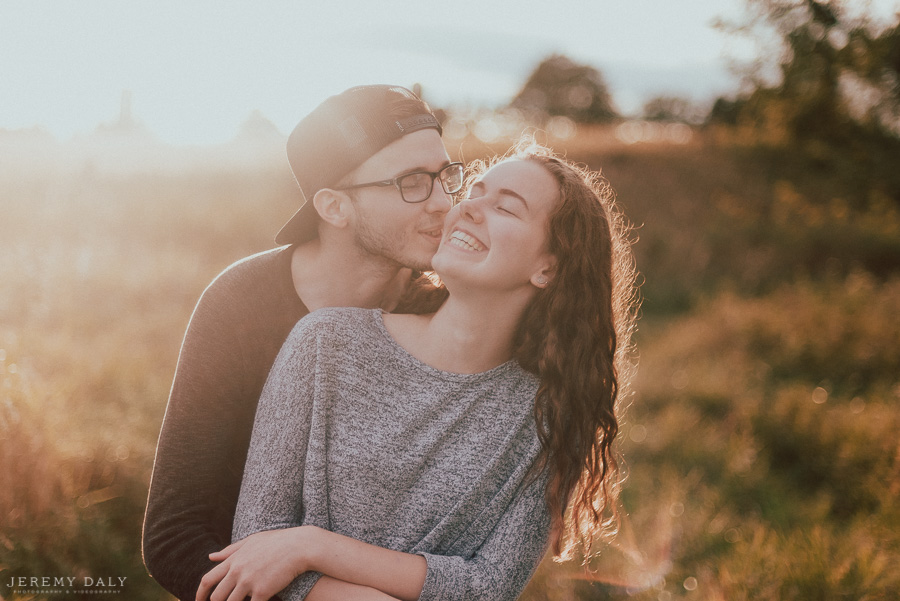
[463,240]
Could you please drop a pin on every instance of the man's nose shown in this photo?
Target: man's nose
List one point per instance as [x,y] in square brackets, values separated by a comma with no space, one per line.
[439,201]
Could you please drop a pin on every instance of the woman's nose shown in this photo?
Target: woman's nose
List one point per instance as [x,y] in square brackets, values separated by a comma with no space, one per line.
[471,209]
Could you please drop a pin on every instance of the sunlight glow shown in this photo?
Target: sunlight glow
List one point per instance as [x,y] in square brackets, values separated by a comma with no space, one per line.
[197,70]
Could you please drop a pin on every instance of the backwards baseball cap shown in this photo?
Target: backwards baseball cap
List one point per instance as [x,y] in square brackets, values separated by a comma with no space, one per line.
[339,136]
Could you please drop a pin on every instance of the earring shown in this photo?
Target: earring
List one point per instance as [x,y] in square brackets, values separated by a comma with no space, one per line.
[542,279]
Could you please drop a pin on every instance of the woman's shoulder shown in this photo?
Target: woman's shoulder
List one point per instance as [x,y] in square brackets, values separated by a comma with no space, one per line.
[342,317]
[336,323]
[326,334]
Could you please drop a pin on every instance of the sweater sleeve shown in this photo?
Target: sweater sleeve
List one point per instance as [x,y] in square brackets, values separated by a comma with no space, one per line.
[271,494]
[504,563]
[196,473]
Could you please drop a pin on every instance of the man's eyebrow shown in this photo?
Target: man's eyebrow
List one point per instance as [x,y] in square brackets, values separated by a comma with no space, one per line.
[421,168]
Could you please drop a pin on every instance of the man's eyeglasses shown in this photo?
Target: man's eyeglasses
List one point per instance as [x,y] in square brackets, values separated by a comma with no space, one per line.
[417,186]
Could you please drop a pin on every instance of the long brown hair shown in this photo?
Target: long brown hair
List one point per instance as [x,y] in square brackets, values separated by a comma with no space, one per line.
[576,336]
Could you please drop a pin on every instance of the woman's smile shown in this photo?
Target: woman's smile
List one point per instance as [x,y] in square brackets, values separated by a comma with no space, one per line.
[465,241]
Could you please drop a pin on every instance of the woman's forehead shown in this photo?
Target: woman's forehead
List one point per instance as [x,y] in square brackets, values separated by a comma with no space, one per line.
[527,178]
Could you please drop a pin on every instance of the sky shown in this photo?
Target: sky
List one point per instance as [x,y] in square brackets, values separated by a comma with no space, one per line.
[197,69]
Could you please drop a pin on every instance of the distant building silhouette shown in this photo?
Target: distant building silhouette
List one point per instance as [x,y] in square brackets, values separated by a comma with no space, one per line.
[258,129]
[126,124]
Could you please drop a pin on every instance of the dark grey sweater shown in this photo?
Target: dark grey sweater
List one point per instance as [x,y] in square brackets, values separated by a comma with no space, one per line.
[239,324]
[355,435]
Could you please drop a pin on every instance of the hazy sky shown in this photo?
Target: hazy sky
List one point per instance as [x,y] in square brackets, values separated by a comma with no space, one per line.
[197,69]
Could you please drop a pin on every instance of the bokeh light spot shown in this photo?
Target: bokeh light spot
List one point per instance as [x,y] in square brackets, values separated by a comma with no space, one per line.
[487,130]
[456,129]
[680,380]
[561,128]
[638,433]
[819,395]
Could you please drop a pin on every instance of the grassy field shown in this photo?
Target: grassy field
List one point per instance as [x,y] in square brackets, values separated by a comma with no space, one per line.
[760,439]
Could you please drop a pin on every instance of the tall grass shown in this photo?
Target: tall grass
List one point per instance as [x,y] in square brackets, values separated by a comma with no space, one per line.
[760,442]
[100,274]
[761,464]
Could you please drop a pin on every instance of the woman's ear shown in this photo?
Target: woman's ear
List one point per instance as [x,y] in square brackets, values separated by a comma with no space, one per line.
[545,274]
[333,207]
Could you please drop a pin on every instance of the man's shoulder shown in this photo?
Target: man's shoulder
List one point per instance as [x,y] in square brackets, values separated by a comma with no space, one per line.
[250,277]
[262,265]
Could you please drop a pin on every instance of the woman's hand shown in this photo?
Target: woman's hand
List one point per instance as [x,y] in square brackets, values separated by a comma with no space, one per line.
[258,566]
[262,564]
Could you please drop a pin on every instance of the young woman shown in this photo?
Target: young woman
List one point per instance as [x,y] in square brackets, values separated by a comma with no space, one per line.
[433,457]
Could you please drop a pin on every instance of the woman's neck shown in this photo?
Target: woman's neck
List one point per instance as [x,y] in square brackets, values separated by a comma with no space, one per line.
[464,336]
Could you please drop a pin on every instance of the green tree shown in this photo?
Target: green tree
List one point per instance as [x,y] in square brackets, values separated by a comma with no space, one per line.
[871,81]
[560,86]
[837,75]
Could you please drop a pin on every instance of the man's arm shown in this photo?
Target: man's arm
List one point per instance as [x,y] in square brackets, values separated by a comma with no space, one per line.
[202,444]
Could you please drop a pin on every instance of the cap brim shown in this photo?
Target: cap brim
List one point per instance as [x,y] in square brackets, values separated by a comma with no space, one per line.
[302,227]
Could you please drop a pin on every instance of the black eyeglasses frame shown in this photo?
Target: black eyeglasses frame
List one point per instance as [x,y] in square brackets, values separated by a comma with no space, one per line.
[433,174]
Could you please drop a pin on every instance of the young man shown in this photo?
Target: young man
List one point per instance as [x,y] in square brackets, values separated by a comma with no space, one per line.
[377,183]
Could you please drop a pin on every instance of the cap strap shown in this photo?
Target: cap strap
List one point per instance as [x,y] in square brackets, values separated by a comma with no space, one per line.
[411,124]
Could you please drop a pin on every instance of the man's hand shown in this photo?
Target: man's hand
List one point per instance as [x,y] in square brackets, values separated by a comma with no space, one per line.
[258,566]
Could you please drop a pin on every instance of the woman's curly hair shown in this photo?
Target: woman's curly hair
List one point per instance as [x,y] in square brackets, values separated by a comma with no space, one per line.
[576,336]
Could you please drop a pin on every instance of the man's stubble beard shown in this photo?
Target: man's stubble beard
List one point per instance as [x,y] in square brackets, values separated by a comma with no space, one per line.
[373,243]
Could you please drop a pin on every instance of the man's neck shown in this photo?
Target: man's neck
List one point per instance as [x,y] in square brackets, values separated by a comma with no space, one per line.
[338,276]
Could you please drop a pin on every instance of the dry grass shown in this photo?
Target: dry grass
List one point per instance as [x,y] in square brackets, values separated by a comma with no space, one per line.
[760,442]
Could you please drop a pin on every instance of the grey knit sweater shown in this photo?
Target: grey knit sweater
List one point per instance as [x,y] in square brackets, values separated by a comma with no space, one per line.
[355,435]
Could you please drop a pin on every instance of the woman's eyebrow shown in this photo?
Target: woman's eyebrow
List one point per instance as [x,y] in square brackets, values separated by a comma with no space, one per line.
[505,192]
[516,195]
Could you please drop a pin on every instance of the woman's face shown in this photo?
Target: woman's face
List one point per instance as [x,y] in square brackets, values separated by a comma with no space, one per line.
[497,237]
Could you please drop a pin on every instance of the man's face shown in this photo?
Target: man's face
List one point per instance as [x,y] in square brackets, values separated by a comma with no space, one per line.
[384,226]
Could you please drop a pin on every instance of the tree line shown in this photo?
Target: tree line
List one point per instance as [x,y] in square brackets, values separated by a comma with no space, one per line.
[836,79]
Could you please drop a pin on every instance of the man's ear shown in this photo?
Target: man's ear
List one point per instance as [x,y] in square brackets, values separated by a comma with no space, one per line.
[545,274]
[333,207]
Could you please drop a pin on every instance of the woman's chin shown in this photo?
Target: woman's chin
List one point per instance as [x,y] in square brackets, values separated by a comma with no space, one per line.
[442,262]
[453,275]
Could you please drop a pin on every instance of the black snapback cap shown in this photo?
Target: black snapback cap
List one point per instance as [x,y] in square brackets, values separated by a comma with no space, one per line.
[339,135]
